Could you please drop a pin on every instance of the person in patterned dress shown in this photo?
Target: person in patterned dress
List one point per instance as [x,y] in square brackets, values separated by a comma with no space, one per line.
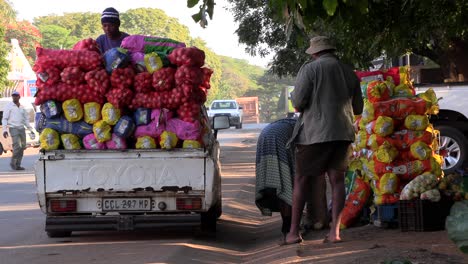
[275,170]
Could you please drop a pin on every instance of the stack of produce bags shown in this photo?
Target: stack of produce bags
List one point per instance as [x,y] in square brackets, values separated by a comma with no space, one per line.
[146,94]
[395,143]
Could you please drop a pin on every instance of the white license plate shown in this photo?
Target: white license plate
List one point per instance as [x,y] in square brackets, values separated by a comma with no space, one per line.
[126,204]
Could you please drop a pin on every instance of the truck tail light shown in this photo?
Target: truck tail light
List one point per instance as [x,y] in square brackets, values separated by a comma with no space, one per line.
[189,203]
[60,206]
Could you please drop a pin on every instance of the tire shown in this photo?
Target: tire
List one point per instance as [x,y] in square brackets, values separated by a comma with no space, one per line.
[209,219]
[453,147]
[239,126]
[53,234]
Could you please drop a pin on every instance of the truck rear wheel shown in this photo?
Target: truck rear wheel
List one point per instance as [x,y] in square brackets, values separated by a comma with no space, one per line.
[209,219]
[453,147]
[239,126]
[53,234]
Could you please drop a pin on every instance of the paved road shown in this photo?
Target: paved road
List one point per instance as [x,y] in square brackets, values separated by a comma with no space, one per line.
[244,236]
[23,240]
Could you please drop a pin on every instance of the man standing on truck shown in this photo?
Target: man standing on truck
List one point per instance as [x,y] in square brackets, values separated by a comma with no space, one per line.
[110,20]
[15,117]
[327,94]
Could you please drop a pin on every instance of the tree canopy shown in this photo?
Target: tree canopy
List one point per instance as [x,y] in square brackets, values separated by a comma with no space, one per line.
[362,29]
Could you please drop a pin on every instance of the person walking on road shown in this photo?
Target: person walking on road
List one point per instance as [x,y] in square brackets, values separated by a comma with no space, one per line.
[15,118]
[327,94]
[110,20]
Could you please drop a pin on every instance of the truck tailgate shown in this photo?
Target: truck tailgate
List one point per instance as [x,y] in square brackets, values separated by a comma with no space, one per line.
[129,170]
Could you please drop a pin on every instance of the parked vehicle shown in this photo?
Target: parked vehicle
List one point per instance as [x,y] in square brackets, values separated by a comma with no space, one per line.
[131,189]
[28,103]
[452,121]
[229,108]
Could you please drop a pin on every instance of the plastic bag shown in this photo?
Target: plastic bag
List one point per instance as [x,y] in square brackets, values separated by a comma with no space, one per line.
[155,61]
[380,199]
[386,153]
[145,142]
[191,144]
[81,128]
[70,141]
[49,139]
[73,110]
[419,185]
[457,225]
[388,183]
[102,131]
[116,58]
[403,90]
[184,130]
[51,109]
[432,195]
[168,140]
[142,116]
[147,44]
[125,127]
[355,201]
[379,91]
[91,142]
[382,126]
[110,114]
[92,112]
[116,142]
[417,122]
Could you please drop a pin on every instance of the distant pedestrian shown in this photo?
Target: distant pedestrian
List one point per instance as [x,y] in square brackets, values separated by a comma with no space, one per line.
[327,94]
[110,20]
[15,118]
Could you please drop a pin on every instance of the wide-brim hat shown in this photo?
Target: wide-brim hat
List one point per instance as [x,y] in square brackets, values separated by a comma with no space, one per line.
[320,43]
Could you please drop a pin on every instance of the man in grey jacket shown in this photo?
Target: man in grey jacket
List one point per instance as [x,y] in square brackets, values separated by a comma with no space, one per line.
[327,94]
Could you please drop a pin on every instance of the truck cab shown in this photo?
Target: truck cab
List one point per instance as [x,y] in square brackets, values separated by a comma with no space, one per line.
[229,108]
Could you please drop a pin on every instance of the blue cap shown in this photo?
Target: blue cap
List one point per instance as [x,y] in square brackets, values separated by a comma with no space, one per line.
[15,93]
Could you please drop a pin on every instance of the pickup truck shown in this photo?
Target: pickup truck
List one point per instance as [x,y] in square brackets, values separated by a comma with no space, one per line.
[83,190]
[452,121]
[229,108]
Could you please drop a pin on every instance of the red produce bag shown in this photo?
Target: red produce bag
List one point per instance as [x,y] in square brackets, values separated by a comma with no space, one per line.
[85,59]
[87,44]
[143,82]
[163,80]
[355,202]
[187,56]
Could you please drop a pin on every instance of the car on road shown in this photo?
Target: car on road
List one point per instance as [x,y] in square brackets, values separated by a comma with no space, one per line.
[228,108]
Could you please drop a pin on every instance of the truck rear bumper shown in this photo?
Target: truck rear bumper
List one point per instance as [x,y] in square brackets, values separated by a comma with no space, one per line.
[118,222]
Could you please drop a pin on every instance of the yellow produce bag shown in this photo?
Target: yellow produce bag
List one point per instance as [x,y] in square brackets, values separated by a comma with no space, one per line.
[110,114]
[92,112]
[191,144]
[72,110]
[145,142]
[70,141]
[168,140]
[417,122]
[49,139]
[102,131]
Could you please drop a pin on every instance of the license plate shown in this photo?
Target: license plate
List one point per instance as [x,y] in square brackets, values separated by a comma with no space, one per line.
[126,204]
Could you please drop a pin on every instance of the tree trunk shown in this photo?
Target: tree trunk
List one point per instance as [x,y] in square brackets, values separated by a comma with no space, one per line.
[454,61]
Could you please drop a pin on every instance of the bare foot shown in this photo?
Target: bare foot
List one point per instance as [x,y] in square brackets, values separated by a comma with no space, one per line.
[292,239]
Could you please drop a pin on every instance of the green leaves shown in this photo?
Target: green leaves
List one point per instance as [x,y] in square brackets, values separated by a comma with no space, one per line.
[330,6]
[192,3]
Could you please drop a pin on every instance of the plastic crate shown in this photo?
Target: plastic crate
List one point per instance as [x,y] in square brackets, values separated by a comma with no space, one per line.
[423,215]
[386,215]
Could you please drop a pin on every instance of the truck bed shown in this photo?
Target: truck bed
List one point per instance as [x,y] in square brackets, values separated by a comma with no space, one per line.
[121,171]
